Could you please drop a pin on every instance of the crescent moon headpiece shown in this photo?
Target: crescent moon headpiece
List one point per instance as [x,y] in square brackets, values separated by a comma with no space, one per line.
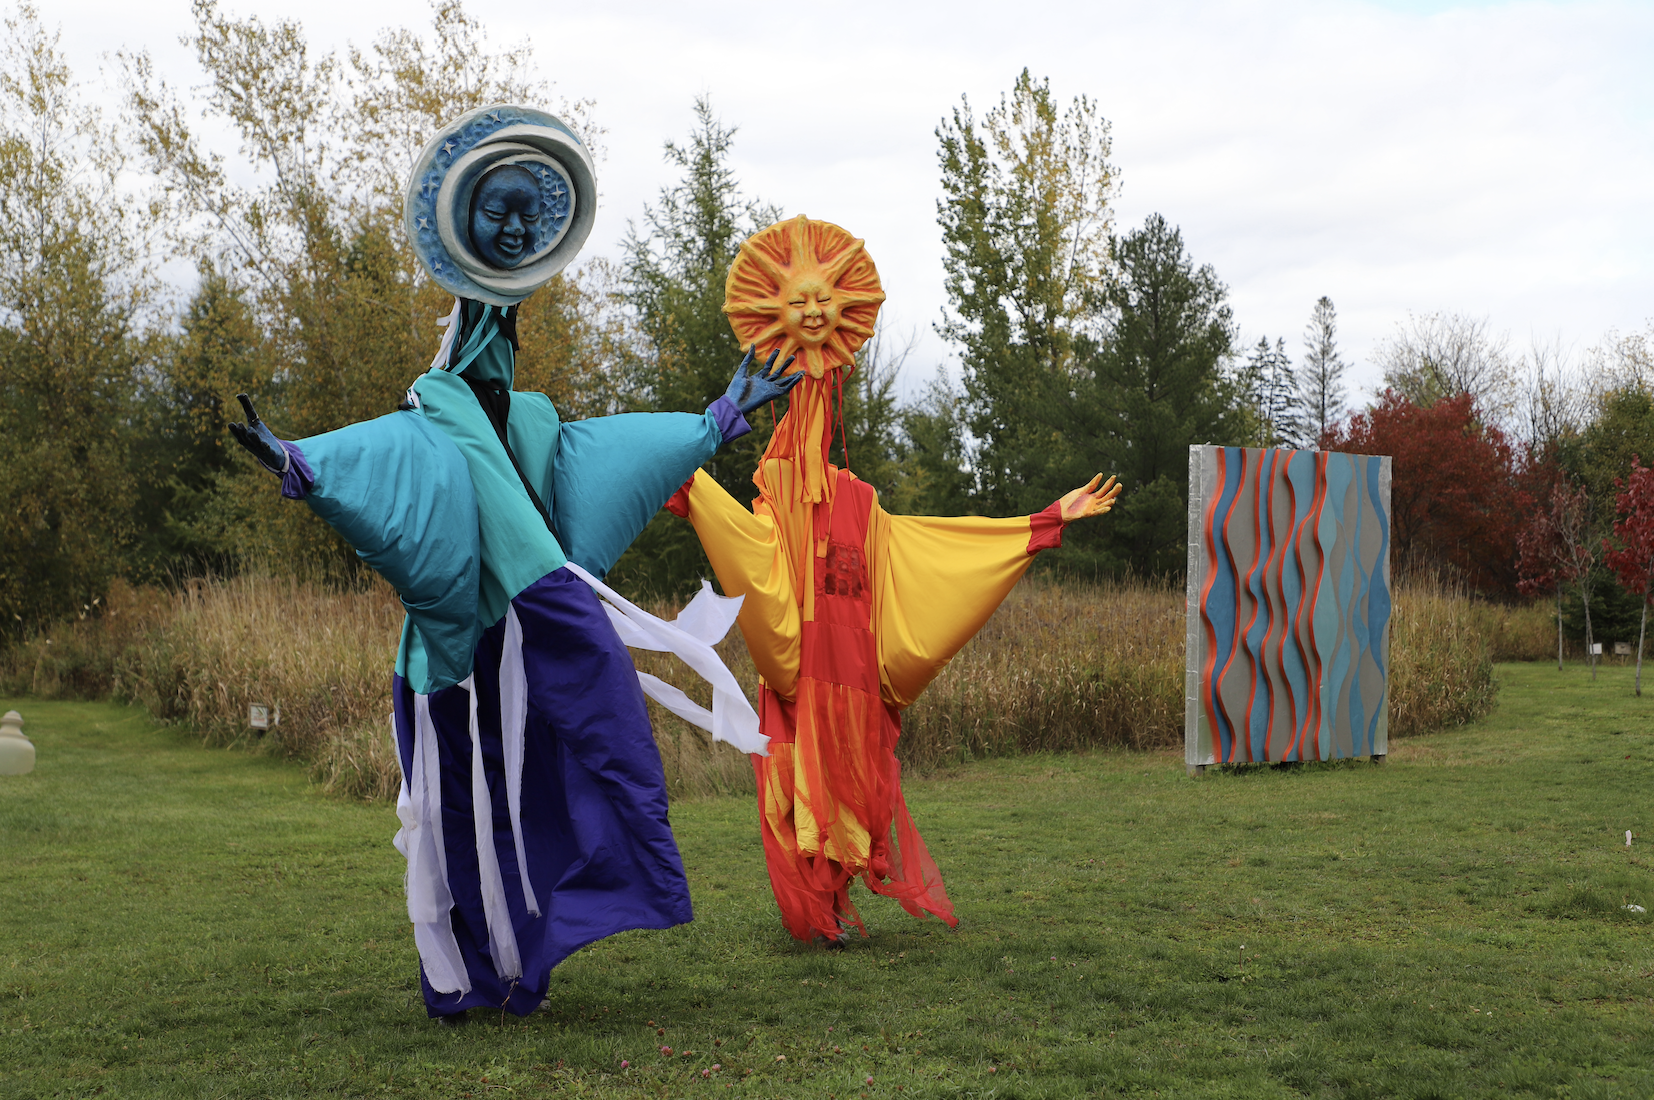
[438,210]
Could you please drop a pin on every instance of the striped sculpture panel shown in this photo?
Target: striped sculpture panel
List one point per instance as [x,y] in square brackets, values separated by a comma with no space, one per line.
[1288,649]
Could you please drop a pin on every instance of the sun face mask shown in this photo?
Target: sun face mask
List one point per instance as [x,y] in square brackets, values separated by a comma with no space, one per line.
[807,288]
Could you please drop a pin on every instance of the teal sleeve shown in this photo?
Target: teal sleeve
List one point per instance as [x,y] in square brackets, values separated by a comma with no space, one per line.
[399,491]
[613,473]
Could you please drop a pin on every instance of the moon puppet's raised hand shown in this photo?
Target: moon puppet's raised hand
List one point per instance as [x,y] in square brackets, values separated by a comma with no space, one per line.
[1093,498]
[769,382]
[257,437]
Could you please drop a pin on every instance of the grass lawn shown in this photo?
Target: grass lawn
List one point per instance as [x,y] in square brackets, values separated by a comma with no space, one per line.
[176,921]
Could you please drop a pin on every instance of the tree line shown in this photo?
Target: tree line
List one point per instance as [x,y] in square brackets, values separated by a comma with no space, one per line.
[1082,346]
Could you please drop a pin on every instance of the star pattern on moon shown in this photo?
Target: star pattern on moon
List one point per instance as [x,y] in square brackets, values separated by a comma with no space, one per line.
[448,147]
[424,223]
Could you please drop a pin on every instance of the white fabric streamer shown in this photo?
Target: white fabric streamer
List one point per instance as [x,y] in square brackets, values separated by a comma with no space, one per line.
[690,638]
[513,725]
[451,323]
[502,938]
[429,901]
[674,700]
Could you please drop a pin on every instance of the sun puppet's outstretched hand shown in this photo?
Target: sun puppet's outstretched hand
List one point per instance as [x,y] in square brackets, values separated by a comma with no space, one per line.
[256,436]
[750,391]
[1091,499]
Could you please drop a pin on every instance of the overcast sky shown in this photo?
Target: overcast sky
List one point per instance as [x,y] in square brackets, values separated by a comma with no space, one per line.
[1495,159]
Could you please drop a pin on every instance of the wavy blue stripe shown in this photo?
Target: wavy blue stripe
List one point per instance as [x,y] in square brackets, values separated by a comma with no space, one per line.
[1378,601]
[1221,603]
[1359,620]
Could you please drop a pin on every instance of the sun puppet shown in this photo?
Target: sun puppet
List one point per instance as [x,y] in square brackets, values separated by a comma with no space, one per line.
[533,803]
[848,611]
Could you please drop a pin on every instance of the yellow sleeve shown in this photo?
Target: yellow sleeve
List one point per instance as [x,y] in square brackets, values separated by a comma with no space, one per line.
[938,581]
[747,555]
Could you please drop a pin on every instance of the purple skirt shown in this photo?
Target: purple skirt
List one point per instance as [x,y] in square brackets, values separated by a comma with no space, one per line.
[595,839]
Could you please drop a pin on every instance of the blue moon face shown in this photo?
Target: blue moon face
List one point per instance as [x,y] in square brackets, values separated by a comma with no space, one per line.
[506,213]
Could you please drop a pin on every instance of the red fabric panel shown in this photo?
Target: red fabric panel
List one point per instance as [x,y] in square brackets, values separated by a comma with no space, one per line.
[836,654]
[1045,528]
[777,717]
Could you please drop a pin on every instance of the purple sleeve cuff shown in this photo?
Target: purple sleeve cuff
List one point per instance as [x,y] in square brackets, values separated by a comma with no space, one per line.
[298,478]
[730,421]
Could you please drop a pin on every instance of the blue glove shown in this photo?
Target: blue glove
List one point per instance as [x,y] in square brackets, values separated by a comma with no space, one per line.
[256,436]
[749,391]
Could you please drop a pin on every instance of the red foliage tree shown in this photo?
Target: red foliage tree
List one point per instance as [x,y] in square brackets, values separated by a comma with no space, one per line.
[1554,550]
[1456,500]
[1633,559]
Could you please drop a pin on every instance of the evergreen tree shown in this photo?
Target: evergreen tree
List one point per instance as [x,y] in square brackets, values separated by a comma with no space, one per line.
[1271,391]
[935,461]
[672,279]
[1320,377]
[1160,381]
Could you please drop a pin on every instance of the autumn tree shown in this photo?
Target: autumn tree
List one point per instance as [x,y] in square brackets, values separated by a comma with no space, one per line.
[1442,355]
[303,226]
[1550,549]
[1456,498]
[1025,216]
[1631,557]
[78,321]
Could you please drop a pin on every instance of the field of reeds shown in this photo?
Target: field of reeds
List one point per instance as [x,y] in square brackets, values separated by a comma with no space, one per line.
[1058,667]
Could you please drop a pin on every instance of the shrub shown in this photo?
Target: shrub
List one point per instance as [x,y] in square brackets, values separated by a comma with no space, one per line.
[1441,659]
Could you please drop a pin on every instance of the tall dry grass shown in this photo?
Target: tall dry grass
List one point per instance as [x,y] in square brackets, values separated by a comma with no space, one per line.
[201,656]
[1058,667]
[1521,632]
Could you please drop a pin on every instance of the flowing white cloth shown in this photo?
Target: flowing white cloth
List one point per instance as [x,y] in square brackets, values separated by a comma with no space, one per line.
[419,806]
[690,637]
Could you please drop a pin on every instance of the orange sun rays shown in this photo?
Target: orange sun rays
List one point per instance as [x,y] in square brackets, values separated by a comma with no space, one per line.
[806,288]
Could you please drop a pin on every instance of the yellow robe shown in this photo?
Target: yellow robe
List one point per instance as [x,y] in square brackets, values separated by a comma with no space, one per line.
[849,613]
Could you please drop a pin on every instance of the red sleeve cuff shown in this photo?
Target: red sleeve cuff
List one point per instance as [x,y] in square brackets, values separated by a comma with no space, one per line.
[1045,529]
[678,504]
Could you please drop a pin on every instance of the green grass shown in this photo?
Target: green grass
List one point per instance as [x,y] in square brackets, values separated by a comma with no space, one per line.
[178,921]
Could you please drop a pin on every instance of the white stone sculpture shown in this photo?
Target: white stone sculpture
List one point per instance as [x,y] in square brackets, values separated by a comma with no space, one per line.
[16,751]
